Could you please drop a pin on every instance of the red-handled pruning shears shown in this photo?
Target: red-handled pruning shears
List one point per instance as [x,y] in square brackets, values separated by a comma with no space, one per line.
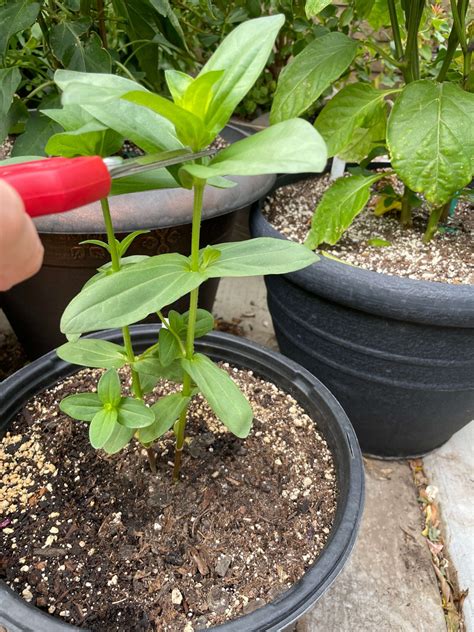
[55,185]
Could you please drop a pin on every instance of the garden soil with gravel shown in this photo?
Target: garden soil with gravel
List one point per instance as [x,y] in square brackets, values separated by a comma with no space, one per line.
[102,543]
[447,258]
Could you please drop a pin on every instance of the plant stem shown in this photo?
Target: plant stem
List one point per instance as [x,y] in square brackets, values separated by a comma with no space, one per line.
[386,56]
[101,21]
[395,29]
[34,92]
[110,234]
[433,222]
[114,254]
[458,25]
[414,15]
[445,214]
[450,50]
[151,459]
[405,216]
[180,426]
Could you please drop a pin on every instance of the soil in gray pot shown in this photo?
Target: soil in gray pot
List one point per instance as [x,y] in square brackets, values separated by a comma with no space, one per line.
[102,543]
[447,258]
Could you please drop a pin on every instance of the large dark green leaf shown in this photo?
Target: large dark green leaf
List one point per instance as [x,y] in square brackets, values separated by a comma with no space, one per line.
[100,354]
[358,105]
[289,147]
[310,73]
[341,203]
[430,135]
[313,7]
[130,295]
[222,394]
[263,255]
[9,81]
[33,141]
[77,52]
[243,55]
[15,16]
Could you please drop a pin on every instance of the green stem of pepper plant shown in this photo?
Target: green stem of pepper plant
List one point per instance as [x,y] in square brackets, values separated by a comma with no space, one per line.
[114,254]
[101,23]
[432,226]
[395,29]
[406,216]
[180,426]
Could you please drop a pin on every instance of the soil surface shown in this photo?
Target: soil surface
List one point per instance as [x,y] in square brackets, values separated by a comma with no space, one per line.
[447,258]
[102,543]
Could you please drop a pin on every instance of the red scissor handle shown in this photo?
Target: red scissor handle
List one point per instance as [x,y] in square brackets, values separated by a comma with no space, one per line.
[55,185]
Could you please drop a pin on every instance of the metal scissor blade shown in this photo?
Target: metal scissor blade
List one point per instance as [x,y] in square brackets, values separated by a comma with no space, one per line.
[133,166]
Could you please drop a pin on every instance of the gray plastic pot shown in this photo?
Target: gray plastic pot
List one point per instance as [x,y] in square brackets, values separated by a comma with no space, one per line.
[397,353]
[68,263]
[18,616]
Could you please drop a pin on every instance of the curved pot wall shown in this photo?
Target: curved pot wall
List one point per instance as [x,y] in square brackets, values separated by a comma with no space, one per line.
[397,353]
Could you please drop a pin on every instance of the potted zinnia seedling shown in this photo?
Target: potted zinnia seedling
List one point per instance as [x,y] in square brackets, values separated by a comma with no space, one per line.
[183,479]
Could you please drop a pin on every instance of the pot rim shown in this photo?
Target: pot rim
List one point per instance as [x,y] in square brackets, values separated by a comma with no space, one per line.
[290,376]
[400,298]
[160,208]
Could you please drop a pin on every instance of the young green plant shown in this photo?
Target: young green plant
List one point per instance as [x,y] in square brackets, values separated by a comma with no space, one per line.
[424,124]
[122,294]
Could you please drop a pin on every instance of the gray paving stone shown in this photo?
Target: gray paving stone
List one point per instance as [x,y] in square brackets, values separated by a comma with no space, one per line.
[451,470]
[389,584]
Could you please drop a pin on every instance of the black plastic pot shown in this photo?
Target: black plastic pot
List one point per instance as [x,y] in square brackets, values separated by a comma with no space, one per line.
[397,353]
[34,311]
[18,616]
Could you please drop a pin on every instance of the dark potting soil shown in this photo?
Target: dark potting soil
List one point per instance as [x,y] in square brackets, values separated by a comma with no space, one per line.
[447,258]
[12,355]
[101,542]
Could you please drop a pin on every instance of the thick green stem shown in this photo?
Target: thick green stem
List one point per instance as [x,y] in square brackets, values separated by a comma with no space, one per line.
[450,50]
[414,15]
[406,216]
[458,19]
[395,29]
[433,222]
[180,426]
[114,254]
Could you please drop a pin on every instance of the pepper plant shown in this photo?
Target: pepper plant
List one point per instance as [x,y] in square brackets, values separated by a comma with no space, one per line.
[126,291]
[424,123]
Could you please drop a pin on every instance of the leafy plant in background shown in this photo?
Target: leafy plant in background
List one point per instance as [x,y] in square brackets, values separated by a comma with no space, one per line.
[126,290]
[36,38]
[425,124]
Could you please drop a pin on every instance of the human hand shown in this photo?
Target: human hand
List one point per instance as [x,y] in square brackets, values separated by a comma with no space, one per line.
[21,250]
